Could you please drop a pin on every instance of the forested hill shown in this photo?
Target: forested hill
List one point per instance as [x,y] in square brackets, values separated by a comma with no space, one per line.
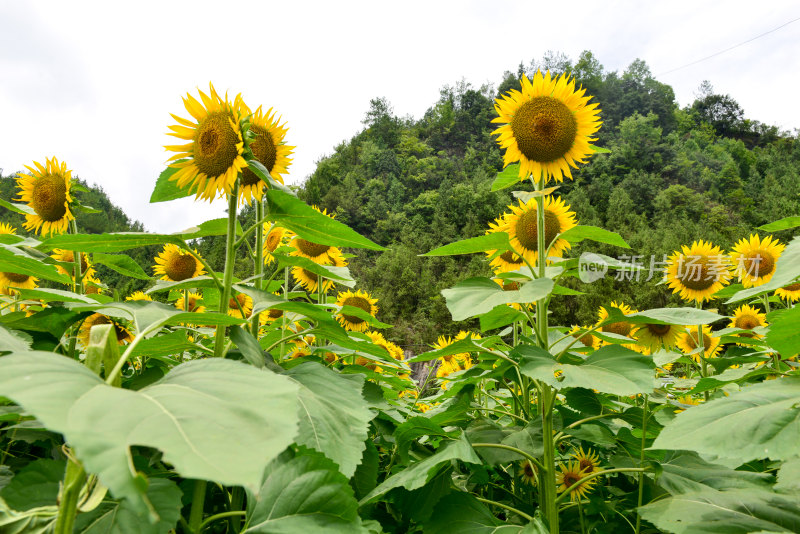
[673,175]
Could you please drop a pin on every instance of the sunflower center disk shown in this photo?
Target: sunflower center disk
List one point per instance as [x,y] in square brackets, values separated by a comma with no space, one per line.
[215,144]
[792,287]
[313,250]
[275,314]
[758,263]
[659,330]
[746,322]
[273,240]
[510,257]
[544,129]
[50,197]
[621,328]
[357,302]
[264,150]
[17,278]
[180,267]
[698,273]
[570,479]
[240,299]
[527,229]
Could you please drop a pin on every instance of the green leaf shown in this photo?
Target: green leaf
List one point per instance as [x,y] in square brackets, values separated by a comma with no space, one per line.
[259,170]
[499,317]
[599,149]
[209,228]
[760,421]
[420,473]
[37,521]
[414,428]
[476,296]
[14,341]
[685,472]
[103,350]
[163,345]
[294,214]
[783,335]
[334,417]
[15,260]
[340,274]
[119,517]
[121,263]
[151,315]
[248,346]
[506,178]
[738,511]
[787,223]
[22,209]
[493,241]
[576,234]
[787,269]
[167,189]
[461,512]
[53,320]
[213,419]
[114,242]
[678,316]
[789,476]
[457,347]
[54,295]
[35,485]
[191,283]
[366,476]
[303,495]
[610,369]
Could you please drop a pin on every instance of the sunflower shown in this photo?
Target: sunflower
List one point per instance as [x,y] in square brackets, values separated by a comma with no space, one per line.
[195,305]
[360,299]
[547,126]
[528,473]
[652,336]
[269,149]
[322,254]
[176,265]
[521,225]
[273,238]
[68,256]
[310,281]
[508,260]
[123,334]
[567,478]
[240,300]
[46,190]
[588,462]
[747,318]
[687,342]
[586,339]
[453,362]
[93,286]
[7,229]
[790,292]
[698,271]
[393,350]
[754,259]
[139,295]
[686,401]
[622,328]
[10,280]
[212,159]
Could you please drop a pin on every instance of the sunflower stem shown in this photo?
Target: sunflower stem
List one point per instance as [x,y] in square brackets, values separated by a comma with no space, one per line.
[71,489]
[77,278]
[227,277]
[641,463]
[506,507]
[259,261]
[198,500]
[186,299]
[283,315]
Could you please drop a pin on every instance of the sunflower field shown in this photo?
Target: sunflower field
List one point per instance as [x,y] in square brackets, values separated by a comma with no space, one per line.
[274,401]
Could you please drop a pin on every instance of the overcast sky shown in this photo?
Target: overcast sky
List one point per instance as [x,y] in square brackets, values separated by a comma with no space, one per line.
[93,83]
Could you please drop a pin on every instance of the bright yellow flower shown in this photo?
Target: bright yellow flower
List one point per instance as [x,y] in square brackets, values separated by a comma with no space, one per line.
[269,149]
[588,462]
[688,343]
[123,334]
[46,190]
[139,295]
[652,336]
[747,318]
[68,256]
[360,299]
[568,477]
[522,227]
[240,300]
[754,259]
[6,228]
[273,239]
[195,305]
[9,280]
[790,292]
[698,271]
[176,265]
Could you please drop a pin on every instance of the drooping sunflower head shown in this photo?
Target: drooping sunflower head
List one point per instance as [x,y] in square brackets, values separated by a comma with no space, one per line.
[10,280]
[195,303]
[523,222]
[176,265]
[754,259]
[268,147]
[123,334]
[652,336]
[689,342]
[547,126]
[46,190]
[274,237]
[139,295]
[747,318]
[360,299]
[588,461]
[697,272]
[240,303]
[68,257]
[212,159]
[568,479]
[317,252]
[790,292]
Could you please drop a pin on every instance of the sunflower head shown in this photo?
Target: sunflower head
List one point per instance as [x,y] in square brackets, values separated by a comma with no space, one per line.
[176,265]
[568,479]
[393,350]
[754,259]
[697,272]
[139,295]
[240,303]
[7,229]
[123,334]
[528,473]
[652,336]
[747,317]
[93,286]
[523,222]
[588,461]
[790,292]
[194,304]
[508,260]
[9,280]
[546,125]
[274,238]
[68,256]
[269,149]
[212,159]
[689,343]
[46,190]
[360,299]
[310,281]
[622,328]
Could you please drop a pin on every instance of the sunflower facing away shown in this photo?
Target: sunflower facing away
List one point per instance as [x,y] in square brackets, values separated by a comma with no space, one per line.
[754,259]
[176,265]
[790,292]
[652,336]
[68,256]
[212,159]
[522,227]
[547,126]
[747,318]
[46,190]
[688,343]
[310,281]
[123,334]
[697,272]
[567,478]
[269,149]
[360,299]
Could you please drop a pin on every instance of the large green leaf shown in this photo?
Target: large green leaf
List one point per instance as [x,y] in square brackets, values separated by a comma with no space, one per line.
[420,473]
[35,485]
[167,189]
[610,369]
[414,428]
[685,472]
[119,517]
[292,213]
[164,345]
[679,316]
[14,260]
[783,335]
[789,476]
[248,345]
[54,295]
[787,269]
[507,177]
[334,417]
[115,242]
[476,296]
[340,274]
[151,315]
[576,234]
[739,511]
[760,421]
[121,263]
[303,495]
[493,241]
[787,223]
[35,521]
[463,513]
[13,341]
